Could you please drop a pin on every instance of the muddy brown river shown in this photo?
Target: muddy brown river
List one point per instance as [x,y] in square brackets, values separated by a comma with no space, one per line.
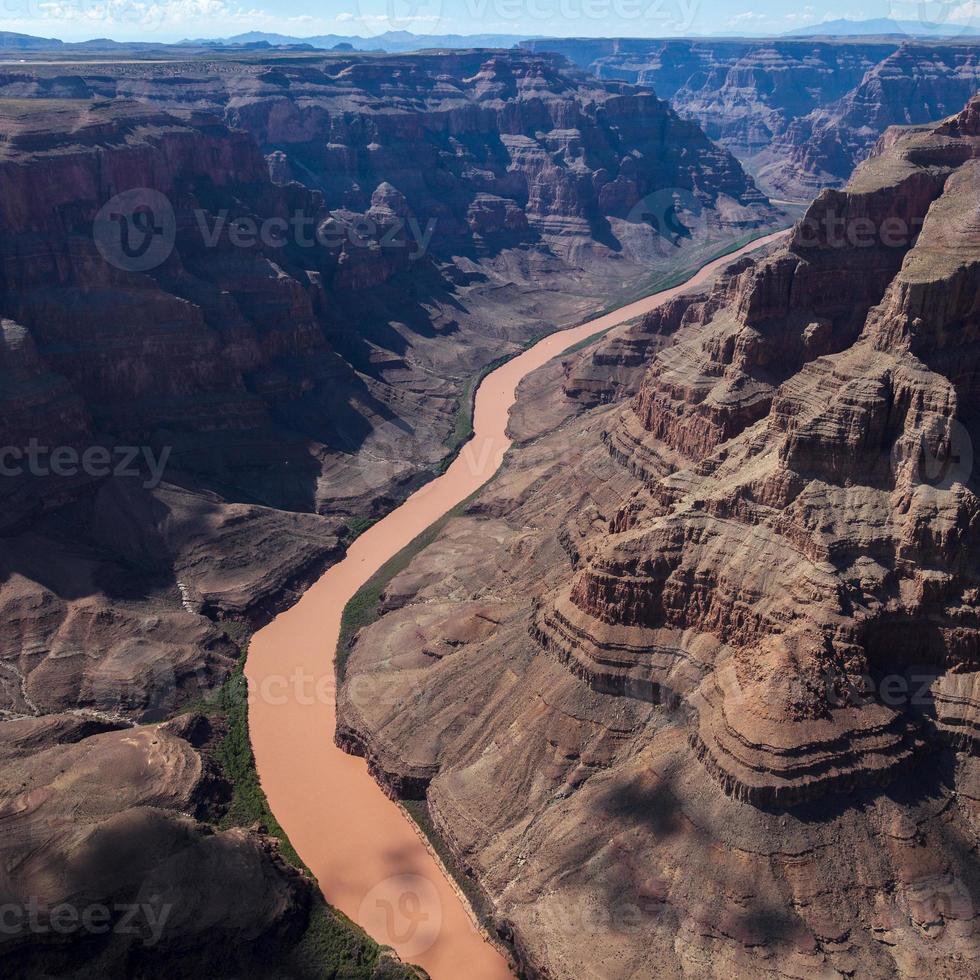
[366,853]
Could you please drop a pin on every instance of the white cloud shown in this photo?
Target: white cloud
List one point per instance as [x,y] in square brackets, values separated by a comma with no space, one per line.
[967,13]
[805,15]
[750,16]
[147,20]
[382,19]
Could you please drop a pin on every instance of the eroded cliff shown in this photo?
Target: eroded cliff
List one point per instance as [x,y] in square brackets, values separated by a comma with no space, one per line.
[240,307]
[801,114]
[732,729]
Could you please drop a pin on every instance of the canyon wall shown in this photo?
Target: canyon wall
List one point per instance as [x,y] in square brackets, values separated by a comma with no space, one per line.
[801,114]
[731,728]
[240,308]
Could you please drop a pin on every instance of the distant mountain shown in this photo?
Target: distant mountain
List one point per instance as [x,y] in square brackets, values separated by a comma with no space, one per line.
[25,42]
[274,40]
[391,41]
[388,41]
[399,42]
[883,26]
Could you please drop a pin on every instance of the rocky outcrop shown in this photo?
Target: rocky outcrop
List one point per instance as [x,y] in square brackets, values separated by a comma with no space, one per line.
[912,85]
[615,367]
[450,133]
[733,725]
[109,872]
[247,312]
[813,388]
[178,419]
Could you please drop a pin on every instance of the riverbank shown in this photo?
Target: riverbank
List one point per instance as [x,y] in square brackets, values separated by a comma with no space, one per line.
[368,858]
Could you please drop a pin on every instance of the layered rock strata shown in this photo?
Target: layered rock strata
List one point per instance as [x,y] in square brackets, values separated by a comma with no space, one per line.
[100,821]
[732,729]
[240,303]
[800,113]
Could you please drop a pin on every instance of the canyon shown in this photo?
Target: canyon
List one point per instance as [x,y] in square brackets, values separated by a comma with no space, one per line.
[632,688]
[690,687]
[270,394]
[364,852]
[799,114]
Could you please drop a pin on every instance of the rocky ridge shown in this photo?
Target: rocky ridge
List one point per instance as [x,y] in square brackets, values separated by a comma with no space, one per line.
[732,730]
[264,391]
[800,114]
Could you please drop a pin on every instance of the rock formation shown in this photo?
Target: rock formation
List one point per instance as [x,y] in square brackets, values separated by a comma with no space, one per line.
[247,381]
[472,172]
[801,114]
[103,818]
[189,437]
[750,517]
[732,729]
[912,85]
[228,376]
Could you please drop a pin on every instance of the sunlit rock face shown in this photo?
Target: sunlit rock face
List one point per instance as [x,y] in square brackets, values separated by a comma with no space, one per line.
[720,713]
[380,194]
[799,423]
[426,213]
[801,114]
[344,244]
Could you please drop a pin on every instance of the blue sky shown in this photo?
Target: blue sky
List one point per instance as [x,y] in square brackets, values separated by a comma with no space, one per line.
[168,20]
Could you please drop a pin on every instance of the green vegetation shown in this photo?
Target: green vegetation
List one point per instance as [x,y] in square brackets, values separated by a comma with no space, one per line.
[463,430]
[333,947]
[356,526]
[362,609]
[234,755]
[679,275]
[418,810]
[582,344]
